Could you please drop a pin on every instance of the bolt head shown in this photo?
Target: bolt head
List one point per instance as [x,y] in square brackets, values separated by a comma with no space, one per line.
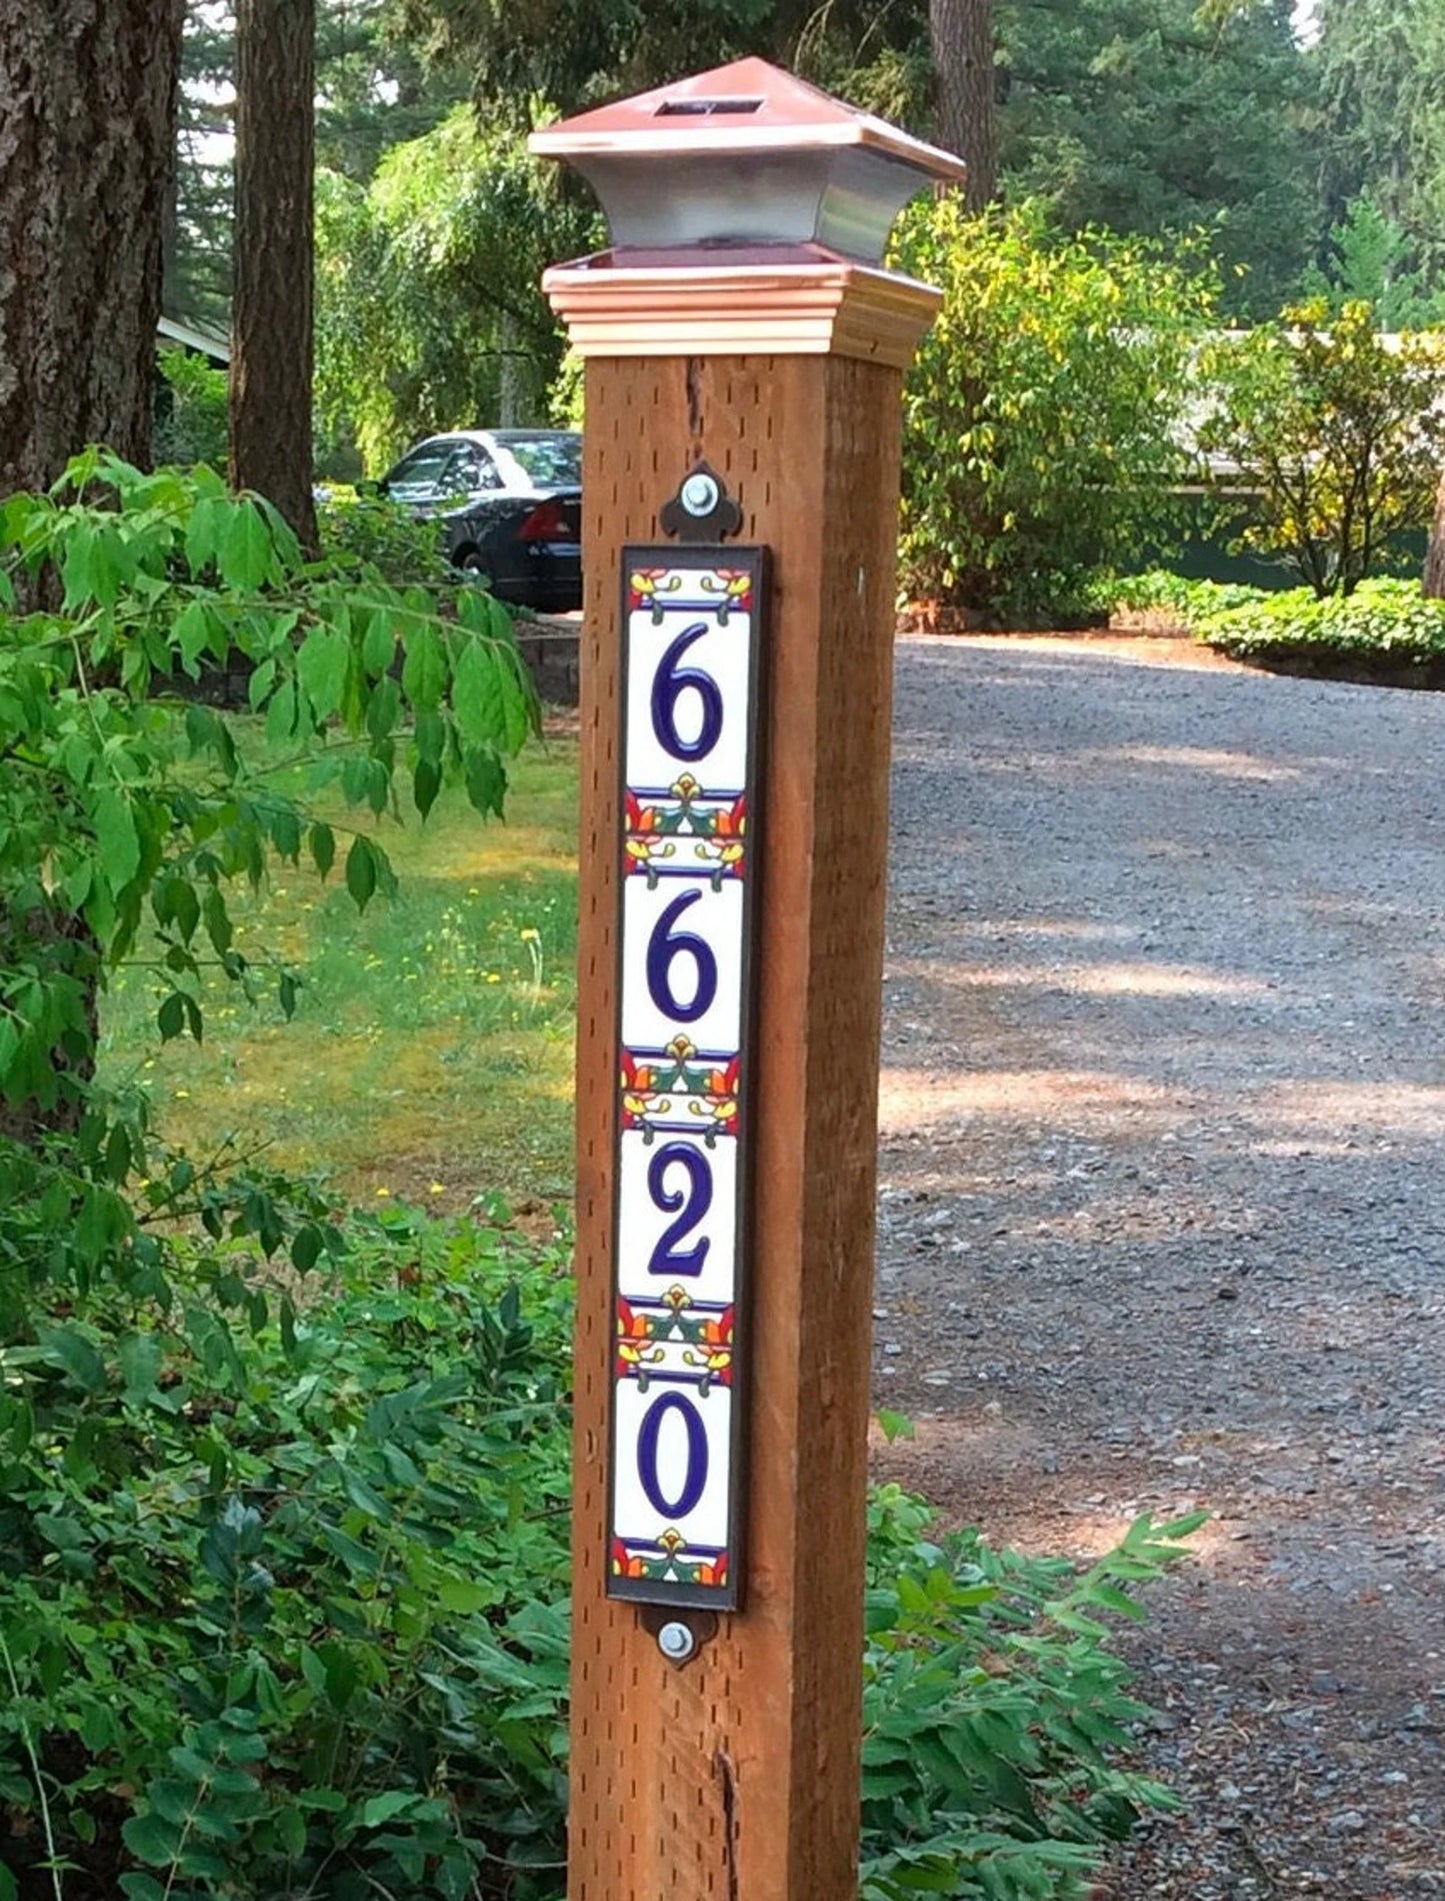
[699,495]
[676,1642]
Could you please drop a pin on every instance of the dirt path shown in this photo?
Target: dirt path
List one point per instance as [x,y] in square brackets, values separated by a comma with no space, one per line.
[1163,1214]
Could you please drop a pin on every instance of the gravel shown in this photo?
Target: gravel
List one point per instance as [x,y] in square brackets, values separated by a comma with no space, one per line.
[1162,1210]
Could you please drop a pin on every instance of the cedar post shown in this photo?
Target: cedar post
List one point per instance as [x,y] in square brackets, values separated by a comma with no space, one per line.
[774,357]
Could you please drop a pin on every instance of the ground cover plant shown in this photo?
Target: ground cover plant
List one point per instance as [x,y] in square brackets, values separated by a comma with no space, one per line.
[1384,628]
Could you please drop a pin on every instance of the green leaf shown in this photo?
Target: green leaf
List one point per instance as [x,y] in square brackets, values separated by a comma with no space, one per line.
[322,663]
[138,1887]
[172,1798]
[281,713]
[378,650]
[426,783]
[117,837]
[291,1830]
[244,554]
[75,567]
[477,695]
[285,826]
[202,534]
[381,1808]
[326,1801]
[361,872]
[486,782]
[171,1016]
[152,1839]
[517,706]
[383,708]
[140,1362]
[73,1353]
[431,737]
[463,1595]
[192,631]
[218,921]
[259,685]
[323,847]
[306,1248]
[193,1015]
[424,674]
[117,1154]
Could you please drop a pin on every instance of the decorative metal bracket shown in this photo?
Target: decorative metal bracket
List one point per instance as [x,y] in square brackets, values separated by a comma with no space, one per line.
[702,509]
[680,1634]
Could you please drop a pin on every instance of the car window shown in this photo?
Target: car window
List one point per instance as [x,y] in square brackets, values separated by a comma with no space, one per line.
[549,461]
[472,469]
[422,469]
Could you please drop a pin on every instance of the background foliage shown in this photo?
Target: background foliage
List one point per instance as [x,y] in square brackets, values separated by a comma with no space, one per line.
[1040,416]
[430,313]
[1339,430]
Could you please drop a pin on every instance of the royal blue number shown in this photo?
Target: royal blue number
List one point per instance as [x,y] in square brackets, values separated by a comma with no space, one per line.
[694,1201]
[696,1476]
[663,947]
[669,684]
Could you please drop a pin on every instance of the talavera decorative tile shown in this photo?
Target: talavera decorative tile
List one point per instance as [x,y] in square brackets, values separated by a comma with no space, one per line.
[692,653]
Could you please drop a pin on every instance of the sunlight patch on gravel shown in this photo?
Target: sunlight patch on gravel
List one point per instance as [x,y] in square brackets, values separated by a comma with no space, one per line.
[1104,980]
[913,1098]
[1413,1109]
[1228,765]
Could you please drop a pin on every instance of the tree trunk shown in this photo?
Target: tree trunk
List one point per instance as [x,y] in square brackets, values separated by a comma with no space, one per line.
[87,134]
[960,34]
[511,398]
[271,313]
[1435,553]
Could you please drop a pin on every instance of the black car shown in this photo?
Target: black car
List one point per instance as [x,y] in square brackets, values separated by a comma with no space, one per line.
[510,504]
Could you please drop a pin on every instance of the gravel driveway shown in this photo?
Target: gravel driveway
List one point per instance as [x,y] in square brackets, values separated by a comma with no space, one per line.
[1163,1210]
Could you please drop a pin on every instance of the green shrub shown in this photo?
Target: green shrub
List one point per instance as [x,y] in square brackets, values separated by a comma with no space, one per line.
[1040,415]
[283,1575]
[1191,601]
[1340,432]
[994,1711]
[367,533]
[1382,620]
[193,418]
[281,1580]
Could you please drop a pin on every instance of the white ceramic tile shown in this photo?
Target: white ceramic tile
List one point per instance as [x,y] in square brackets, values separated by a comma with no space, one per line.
[721,653]
[671,986]
[672,1449]
[686,835]
[677,1217]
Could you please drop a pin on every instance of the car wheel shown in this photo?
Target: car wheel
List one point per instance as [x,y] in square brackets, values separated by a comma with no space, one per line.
[471,563]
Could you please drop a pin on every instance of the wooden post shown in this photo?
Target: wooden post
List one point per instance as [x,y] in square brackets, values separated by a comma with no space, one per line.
[736,1777]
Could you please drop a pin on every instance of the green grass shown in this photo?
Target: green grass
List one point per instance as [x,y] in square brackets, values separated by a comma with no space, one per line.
[430,1056]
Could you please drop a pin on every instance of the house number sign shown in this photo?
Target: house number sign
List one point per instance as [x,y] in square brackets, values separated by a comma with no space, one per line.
[691,649]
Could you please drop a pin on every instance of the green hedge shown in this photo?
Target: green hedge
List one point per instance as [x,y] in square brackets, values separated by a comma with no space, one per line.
[1384,625]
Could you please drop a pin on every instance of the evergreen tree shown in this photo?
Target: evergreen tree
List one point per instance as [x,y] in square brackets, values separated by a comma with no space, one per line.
[271,342]
[1159,115]
[1381,70]
[87,107]
[960,34]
